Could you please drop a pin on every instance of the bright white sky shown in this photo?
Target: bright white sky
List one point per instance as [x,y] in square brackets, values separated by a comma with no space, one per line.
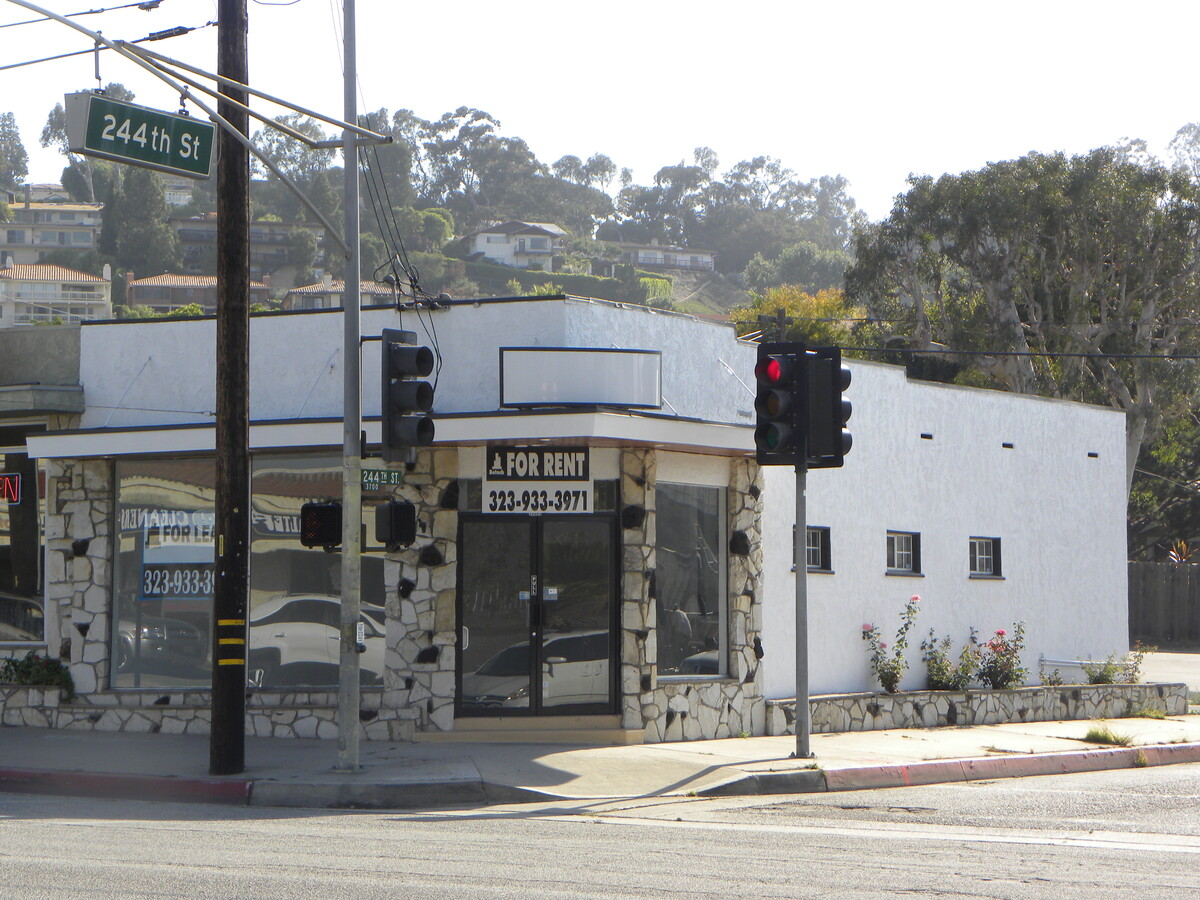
[870,89]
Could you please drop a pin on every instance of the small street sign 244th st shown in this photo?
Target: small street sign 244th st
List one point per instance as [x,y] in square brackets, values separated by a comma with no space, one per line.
[138,135]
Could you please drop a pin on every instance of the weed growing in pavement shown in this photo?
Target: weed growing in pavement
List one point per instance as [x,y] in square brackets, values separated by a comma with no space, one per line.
[1102,734]
[1148,712]
[1140,761]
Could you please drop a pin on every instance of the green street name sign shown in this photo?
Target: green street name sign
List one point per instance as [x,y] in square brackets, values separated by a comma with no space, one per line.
[138,135]
[376,478]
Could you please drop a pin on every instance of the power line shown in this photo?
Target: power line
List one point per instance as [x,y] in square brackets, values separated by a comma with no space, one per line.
[177,31]
[146,5]
[1052,354]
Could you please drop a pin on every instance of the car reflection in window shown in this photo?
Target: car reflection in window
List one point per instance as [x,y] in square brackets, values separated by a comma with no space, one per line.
[574,670]
[296,640]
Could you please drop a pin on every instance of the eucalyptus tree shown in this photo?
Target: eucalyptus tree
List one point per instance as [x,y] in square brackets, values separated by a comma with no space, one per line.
[1070,277]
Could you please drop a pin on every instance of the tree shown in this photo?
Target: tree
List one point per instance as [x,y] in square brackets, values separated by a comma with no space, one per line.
[820,319]
[14,161]
[145,241]
[1069,277]
[804,265]
[293,158]
[54,134]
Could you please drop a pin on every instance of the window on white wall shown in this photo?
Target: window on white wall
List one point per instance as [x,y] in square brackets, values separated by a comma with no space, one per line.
[985,557]
[818,550]
[903,553]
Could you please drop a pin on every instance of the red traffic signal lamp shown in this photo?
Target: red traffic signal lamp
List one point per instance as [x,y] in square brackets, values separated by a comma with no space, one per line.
[321,525]
[779,404]
[828,410]
[404,401]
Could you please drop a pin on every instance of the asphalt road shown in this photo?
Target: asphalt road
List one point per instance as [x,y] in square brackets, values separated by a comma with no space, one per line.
[1123,833]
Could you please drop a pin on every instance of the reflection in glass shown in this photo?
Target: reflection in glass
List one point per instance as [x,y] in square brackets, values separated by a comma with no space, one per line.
[689,580]
[164,575]
[577,574]
[496,565]
[294,630]
[21,494]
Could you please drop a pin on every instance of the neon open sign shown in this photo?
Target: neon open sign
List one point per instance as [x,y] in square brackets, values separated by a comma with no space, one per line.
[10,487]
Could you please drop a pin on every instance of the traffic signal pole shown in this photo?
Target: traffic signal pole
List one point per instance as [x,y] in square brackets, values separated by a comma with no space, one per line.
[349,688]
[800,554]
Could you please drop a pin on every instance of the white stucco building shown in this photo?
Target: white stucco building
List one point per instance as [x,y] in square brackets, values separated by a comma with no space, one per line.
[590,545]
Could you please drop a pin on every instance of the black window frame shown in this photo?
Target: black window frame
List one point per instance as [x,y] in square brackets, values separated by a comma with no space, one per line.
[997,571]
[824,549]
[915,554]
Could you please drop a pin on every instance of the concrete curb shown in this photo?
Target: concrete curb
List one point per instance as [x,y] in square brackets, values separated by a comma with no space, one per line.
[952,770]
[126,787]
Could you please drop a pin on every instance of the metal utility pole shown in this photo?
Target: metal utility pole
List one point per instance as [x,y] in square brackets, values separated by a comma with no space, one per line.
[227,746]
[800,554]
[349,699]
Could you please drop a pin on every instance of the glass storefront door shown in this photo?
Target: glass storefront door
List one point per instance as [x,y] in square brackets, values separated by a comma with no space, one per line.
[537,615]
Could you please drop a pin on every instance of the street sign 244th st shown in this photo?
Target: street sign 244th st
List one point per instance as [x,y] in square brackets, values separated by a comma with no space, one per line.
[138,135]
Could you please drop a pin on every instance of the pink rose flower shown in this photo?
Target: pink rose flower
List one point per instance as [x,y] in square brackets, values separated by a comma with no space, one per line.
[883,645]
[915,598]
[867,626]
[1000,632]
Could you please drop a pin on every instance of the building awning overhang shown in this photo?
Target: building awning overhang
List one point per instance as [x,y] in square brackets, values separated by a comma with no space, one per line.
[40,399]
[592,427]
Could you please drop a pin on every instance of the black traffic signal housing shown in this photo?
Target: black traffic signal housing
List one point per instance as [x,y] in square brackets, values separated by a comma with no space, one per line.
[395,523]
[321,525]
[828,411]
[779,404]
[404,401]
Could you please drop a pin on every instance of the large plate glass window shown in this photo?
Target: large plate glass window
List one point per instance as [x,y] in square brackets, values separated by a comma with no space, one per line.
[294,627]
[165,555]
[690,579]
[22,506]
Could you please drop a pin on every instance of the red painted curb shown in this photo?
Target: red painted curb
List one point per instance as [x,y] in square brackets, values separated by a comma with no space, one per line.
[128,787]
[1067,762]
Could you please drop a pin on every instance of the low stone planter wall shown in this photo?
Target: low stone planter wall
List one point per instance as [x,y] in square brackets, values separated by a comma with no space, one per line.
[268,713]
[927,709]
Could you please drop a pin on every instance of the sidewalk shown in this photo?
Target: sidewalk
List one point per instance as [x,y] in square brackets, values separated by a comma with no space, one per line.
[299,773]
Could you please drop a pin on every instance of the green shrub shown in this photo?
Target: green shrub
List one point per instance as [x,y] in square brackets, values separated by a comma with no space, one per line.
[33,669]
[1107,671]
[943,674]
[1000,659]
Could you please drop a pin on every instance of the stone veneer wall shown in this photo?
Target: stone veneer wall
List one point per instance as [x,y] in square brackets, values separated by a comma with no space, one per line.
[925,709]
[418,691]
[703,708]
[79,551]
[294,714]
[421,584]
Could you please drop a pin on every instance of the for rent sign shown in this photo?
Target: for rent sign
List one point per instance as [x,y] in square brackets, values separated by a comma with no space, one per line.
[535,480]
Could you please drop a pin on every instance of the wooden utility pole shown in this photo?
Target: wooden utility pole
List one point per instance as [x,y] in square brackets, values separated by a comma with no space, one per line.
[227,745]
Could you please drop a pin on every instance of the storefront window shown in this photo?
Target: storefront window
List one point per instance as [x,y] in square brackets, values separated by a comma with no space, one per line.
[162,630]
[21,494]
[295,592]
[163,592]
[690,580]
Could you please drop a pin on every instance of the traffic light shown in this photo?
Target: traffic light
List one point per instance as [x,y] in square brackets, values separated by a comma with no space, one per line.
[404,400]
[321,525]
[779,404]
[828,410]
[396,523]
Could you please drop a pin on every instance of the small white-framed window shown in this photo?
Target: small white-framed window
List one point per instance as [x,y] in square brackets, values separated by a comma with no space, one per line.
[817,549]
[984,553]
[903,553]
